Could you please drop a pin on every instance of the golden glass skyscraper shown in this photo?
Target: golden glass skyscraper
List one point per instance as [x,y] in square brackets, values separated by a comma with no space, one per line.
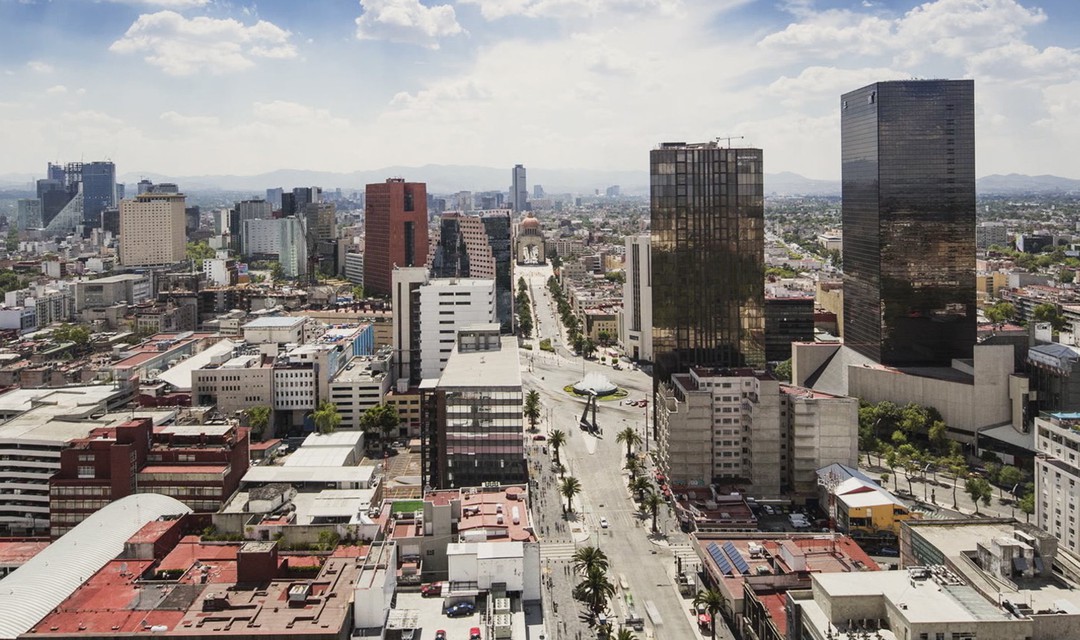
[708,245]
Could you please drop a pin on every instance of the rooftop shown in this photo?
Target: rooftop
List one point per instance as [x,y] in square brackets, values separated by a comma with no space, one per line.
[484,369]
[274,322]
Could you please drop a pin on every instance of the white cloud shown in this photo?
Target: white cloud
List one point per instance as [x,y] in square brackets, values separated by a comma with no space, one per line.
[1022,63]
[820,82]
[182,46]
[38,66]
[406,21]
[496,9]
[56,90]
[169,4]
[188,122]
[953,28]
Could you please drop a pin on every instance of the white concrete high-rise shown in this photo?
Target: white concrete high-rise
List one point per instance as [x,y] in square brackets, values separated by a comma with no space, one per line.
[636,326]
[519,192]
[152,230]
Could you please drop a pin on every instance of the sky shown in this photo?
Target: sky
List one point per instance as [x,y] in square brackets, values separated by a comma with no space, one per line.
[197,87]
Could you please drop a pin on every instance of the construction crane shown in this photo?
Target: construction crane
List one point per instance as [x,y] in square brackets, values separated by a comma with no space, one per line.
[729,139]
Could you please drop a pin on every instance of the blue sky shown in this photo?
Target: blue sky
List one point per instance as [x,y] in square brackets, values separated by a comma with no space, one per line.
[190,87]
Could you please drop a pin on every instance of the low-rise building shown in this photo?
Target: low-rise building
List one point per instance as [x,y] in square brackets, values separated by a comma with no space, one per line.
[859,505]
[362,384]
[1057,475]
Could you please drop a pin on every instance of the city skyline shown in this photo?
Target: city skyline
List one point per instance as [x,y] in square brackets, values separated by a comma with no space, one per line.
[215,82]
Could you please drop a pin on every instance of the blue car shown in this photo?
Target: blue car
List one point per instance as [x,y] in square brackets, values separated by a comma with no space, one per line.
[461,609]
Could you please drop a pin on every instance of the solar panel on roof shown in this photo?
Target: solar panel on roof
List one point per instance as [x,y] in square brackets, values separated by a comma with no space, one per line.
[736,558]
[719,559]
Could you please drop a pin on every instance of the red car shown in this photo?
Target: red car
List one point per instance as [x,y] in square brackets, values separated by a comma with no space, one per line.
[431,590]
[474,633]
[540,438]
[440,634]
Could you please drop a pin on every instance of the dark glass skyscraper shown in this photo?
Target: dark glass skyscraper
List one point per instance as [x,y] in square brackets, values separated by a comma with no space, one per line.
[708,245]
[477,246]
[99,190]
[908,152]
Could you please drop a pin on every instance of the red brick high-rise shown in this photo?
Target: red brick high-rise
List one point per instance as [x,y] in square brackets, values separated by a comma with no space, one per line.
[395,231]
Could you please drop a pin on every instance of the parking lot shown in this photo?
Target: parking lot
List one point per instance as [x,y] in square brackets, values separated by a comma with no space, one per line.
[431,618]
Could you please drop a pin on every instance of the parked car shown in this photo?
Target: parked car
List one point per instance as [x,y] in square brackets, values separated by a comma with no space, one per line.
[474,633]
[603,523]
[460,609]
[540,437]
[431,590]
[440,634]
[891,552]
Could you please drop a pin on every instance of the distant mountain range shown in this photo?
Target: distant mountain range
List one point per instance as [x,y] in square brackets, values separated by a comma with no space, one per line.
[446,179]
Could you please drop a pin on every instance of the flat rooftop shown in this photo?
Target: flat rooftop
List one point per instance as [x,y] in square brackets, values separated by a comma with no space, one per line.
[274,322]
[301,475]
[115,601]
[484,369]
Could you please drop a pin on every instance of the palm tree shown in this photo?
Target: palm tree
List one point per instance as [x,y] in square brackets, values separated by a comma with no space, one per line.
[652,503]
[639,486]
[595,590]
[625,634]
[630,437]
[532,408]
[634,467]
[569,488]
[557,439]
[713,601]
[326,417]
[587,558]
[258,418]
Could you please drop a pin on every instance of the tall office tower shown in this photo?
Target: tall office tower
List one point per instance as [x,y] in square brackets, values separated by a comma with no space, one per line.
[708,251]
[144,186]
[478,246]
[519,193]
[395,231]
[320,218]
[98,188]
[637,298]
[908,151]
[538,191]
[273,196]
[152,230]
[54,197]
[293,202]
[28,213]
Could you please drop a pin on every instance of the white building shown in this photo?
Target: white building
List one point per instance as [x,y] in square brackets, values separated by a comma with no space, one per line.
[49,304]
[217,270]
[21,319]
[354,268]
[427,314]
[283,238]
[295,388]
[361,385]
[275,330]
[237,384]
[636,323]
[1057,476]
[152,230]
[741,427]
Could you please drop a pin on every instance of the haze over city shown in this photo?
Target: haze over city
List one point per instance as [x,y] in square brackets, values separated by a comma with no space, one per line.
[197,87]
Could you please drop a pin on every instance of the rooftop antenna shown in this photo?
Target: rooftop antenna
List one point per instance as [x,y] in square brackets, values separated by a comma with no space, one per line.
[729,139]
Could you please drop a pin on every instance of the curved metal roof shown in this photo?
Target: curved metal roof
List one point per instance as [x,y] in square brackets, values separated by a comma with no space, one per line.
[30,592]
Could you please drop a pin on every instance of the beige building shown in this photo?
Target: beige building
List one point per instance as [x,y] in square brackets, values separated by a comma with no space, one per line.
[240,383]
[152,229]
[741,427]
[1057,474]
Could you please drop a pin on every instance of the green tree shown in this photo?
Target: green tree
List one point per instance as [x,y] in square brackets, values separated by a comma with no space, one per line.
[1048,312]
[258,419]
[276,272]
[380,420]
[1027,505]
[938,435]
[358,292]
[633,467]
[326,417]
[569,488]
[783,371]
[892,461]
[78,334]
[652,504]
[714,602]
[639,486]
[531,410]
[958,467]
[199,251]
[588,558]
[1000,312]
[630,437]
[12,241]
[595,590]
[979,490]
[557,439]
[625,634]
[1008,478]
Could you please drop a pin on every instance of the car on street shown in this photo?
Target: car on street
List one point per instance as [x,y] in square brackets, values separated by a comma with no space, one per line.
[603,523]
[540,437]
[431,590]
[460,609]
[440,634]
[474,633]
